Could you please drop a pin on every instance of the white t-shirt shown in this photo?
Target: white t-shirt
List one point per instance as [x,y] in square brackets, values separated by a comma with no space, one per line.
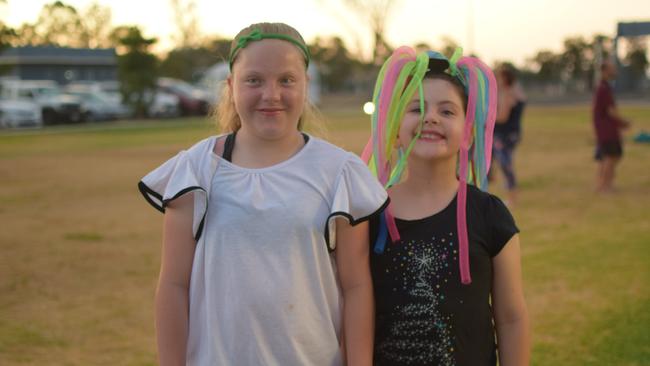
[264,288]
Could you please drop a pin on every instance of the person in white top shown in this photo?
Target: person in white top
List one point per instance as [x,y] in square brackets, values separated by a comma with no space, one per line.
[265,240]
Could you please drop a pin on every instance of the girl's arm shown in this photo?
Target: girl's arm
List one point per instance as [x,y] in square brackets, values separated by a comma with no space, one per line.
[505,102]
[510,313]
[352,261]
[172,294]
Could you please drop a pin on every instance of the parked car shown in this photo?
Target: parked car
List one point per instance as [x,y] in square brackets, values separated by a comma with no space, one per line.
[56,107]
[192,100]
[213,80]
[20,113]
[98,106]
[163,104]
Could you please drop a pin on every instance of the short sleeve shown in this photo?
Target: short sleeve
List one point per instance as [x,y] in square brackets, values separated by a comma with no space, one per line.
[176,177]
[501,224]
[358,196]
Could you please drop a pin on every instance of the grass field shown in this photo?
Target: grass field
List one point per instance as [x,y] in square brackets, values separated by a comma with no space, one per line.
[80,249]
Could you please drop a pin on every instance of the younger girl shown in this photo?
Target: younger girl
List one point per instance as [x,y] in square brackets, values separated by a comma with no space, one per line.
[446,262]
[262,239]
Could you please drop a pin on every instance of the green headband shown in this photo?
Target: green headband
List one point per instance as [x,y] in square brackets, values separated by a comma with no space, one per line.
[257,35]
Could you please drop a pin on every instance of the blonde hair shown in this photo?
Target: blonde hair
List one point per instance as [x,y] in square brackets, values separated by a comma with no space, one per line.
[227,118]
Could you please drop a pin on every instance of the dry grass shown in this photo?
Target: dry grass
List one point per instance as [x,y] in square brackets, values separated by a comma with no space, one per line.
[80,248]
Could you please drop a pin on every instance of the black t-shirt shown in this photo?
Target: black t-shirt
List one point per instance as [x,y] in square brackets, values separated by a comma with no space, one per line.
[424,315]
[513,124]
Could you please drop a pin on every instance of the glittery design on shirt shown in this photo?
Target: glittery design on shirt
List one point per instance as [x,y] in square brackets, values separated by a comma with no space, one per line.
[422,334]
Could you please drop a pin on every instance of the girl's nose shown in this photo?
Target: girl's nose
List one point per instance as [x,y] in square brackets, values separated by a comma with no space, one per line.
[271,92]
[430,118]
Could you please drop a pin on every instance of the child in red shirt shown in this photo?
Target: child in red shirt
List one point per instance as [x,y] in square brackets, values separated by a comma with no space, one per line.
[608,125]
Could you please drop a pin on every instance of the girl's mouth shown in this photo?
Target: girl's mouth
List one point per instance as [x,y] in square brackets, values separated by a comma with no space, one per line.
[431,136]
[270,111]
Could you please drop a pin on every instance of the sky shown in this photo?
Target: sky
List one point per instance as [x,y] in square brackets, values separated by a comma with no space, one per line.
[496,30]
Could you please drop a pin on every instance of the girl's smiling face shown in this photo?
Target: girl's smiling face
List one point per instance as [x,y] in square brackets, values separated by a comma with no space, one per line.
[444,118]
[269,86]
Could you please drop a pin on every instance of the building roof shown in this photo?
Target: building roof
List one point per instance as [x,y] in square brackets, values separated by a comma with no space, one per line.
[633,29]
[49,55]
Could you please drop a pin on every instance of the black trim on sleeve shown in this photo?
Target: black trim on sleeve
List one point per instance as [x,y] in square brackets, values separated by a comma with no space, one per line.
[148,192]
[199,230]
[353,222]
[180,193]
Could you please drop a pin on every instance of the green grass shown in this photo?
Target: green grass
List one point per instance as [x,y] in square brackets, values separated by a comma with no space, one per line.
[81,249]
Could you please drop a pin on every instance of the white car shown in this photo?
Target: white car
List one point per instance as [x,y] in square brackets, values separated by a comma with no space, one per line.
[162,104]
[20,113]
[99,106]
[56,107]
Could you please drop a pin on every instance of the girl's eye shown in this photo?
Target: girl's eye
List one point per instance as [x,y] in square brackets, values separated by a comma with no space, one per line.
[252,81]
[287,81]
[414,110]
[448,112]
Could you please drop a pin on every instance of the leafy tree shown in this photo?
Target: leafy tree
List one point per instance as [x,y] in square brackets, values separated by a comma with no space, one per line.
[336,64]
[8,36]
[62,25]
[637,60]
[187,63]
[575,60]
[598,51]
[186,20]
[423,46]
[96,25]
[27,35]
[59,24]
[637,56]
[370,13]
[548,66]
[220,47]
[599,45]
[376,13]
[137,68]
[449,45]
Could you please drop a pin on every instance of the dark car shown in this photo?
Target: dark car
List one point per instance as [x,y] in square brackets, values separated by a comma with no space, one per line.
[192,101]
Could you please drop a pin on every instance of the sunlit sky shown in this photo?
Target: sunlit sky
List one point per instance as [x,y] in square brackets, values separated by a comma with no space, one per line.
[494,30]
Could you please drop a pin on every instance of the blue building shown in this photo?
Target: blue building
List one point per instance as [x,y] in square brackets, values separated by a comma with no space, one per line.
[61,64]
[627,79]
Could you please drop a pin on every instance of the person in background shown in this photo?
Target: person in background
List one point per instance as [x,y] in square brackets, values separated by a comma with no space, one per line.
[507,131]
[608,124]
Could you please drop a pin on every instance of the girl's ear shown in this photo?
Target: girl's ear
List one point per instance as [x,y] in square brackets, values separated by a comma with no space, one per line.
[229,81]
